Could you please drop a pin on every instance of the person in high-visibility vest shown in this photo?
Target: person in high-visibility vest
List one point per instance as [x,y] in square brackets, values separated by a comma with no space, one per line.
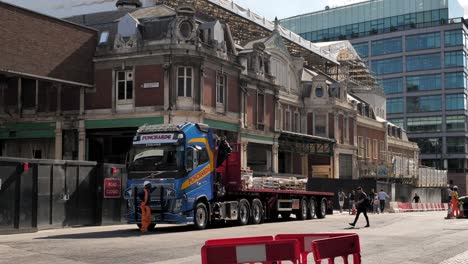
[454,202]
[145,209]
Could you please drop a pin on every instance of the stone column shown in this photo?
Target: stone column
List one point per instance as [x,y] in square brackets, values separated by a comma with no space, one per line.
[166,86]
[82,101]
[275,151]
[81,140]
[58,140]
[59,100]
[244,155]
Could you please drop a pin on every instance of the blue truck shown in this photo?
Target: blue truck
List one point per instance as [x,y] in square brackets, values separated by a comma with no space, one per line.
[196,179]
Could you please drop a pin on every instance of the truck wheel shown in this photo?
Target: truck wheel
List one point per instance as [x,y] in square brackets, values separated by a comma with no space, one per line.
[312,208]
[200,217]
[244,212]
[302,213]
[257,212]
[322,208]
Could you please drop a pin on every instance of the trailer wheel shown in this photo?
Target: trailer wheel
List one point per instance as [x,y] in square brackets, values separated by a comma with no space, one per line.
[244,212]
[256,216]
[322,208]
[312,208]
[200,218]
[302,213]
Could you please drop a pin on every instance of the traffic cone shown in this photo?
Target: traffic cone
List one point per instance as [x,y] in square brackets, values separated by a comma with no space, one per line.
[462,212]
[449,212]
[353,211]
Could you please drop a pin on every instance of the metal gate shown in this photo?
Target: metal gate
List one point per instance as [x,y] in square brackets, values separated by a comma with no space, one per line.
[346,166]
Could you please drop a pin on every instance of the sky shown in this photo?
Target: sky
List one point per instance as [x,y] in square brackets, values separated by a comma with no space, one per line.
[267,8]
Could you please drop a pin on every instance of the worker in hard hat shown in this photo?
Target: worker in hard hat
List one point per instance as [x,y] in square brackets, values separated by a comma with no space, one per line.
[454,202]
[145,209]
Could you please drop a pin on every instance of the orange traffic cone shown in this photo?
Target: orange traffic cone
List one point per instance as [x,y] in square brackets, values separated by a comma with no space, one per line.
[449,212]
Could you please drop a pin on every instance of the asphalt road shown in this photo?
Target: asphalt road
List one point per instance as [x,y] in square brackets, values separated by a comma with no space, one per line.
[409,238]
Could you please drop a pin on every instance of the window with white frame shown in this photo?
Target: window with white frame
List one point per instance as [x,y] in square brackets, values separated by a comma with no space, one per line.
[360,147]
[260,108]
[220,88]
[297,123]
[184,81]
[368,148]
[374,149]
[382,149]
[124,85]
[288,120]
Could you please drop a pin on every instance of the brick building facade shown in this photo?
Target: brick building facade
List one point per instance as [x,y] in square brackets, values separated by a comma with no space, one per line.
[160,65]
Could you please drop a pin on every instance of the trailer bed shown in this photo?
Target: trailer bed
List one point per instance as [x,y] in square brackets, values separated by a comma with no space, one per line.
[300,192]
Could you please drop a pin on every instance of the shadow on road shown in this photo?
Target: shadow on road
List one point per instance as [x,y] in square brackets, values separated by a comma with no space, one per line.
[120,233]
[134,232]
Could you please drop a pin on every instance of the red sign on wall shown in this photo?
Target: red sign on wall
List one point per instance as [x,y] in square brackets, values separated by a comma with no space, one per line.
[112,188]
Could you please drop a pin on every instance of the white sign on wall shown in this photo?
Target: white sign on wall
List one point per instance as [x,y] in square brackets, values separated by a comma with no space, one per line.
[151,85]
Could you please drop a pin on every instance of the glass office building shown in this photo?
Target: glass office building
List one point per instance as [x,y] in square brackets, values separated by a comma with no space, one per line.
[418,49]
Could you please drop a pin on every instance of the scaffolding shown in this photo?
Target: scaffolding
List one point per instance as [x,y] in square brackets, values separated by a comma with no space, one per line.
[246,26]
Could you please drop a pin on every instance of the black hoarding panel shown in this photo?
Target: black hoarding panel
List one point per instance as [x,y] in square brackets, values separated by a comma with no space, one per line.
[71,186]
[113,209]
[8,194]
[27,198]
[87,188]
[59,196]
[44,195]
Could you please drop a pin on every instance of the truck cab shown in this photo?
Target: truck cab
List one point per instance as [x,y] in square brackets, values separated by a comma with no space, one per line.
[179,161]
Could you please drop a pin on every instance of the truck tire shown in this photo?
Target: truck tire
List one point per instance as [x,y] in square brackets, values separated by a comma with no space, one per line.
[322,208]
[312,208]
[200,216]
[256,216]
[244,212]
[302,213]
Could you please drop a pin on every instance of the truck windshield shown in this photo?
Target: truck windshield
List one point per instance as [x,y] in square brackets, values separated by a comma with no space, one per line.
[155,162]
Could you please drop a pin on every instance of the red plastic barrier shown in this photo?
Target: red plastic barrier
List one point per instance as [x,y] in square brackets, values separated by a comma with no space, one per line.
[343,246]
[305,241]
[227,241]
[251,252]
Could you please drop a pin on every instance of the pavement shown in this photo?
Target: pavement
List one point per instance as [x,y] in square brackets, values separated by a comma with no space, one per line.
[407,238]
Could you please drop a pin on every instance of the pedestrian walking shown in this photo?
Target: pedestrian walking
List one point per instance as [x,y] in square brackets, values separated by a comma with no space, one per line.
[362,204]
[341,199]
[382,197]
[416,198]
[351,197]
